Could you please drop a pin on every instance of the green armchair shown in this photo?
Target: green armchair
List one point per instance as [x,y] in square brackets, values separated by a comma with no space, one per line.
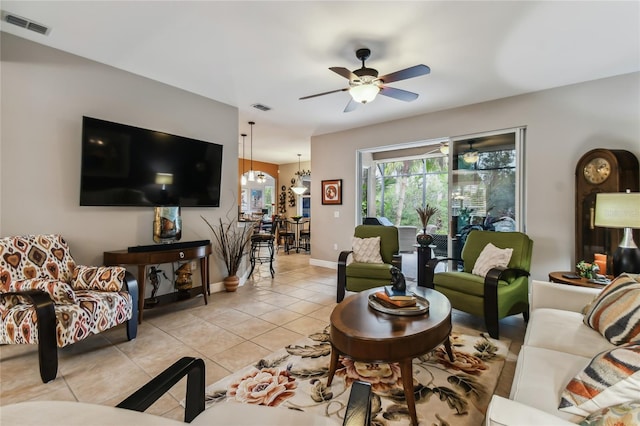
[359,276]
[501,293]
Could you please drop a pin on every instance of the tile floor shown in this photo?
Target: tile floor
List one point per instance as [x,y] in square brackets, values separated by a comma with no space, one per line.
[232,331]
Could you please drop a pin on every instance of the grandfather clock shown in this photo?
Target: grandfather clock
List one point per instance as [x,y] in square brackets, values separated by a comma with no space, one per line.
[601,170]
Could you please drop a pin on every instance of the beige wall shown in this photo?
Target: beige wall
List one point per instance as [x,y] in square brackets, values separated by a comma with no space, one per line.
[45,93]
[562,124]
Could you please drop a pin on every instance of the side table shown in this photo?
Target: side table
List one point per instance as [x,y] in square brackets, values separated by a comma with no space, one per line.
[560,278]
[145,258]
[424,256]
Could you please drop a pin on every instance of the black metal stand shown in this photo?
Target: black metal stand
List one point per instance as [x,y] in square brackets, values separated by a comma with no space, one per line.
[424,255]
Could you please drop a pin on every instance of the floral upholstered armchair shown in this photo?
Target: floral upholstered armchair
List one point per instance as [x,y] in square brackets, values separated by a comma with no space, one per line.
[46,299]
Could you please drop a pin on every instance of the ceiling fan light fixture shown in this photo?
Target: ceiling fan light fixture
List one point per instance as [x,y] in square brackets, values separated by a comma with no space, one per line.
[261,178]
[364,93]
[444,148]
[471,155]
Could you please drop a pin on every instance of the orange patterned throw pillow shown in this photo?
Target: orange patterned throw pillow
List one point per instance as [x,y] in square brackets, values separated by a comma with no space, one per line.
[612,377]
[615,313]
[102,278]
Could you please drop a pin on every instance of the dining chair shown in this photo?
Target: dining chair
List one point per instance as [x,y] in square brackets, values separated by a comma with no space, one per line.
[304,236]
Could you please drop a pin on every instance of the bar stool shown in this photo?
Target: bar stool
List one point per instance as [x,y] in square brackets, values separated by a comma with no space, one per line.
[286,234]
[305,235]
[260,240]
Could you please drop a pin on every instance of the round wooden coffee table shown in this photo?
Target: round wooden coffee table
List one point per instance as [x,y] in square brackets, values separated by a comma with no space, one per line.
[365,334]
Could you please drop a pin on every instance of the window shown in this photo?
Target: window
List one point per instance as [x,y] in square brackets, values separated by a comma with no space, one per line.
[486,193]
[401,186]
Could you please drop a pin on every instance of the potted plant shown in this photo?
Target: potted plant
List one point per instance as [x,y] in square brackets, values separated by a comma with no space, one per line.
[231,243]
[425,213]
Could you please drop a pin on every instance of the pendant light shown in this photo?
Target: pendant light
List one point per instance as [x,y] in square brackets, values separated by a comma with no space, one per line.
[299,188]
[251,174]
[243,178]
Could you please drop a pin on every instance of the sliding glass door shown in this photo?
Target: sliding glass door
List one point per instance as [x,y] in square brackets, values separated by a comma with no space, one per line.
[486,184]
[475,181]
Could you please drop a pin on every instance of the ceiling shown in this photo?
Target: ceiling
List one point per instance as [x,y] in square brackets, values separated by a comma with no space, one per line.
[272,53]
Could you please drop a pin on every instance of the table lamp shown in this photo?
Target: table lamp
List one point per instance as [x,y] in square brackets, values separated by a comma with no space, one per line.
[621,210]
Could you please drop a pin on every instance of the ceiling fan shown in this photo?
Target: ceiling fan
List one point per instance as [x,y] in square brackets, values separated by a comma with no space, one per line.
[364,83]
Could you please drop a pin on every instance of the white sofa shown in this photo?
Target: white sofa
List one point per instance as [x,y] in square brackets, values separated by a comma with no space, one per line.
[557,346]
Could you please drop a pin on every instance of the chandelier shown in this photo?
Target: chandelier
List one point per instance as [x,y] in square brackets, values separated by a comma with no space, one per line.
[243,178]
[299,187]
[251,173]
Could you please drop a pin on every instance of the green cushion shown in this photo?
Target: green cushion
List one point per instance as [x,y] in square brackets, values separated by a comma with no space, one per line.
[512,299]
[463,282]
[380,271]
[361,284]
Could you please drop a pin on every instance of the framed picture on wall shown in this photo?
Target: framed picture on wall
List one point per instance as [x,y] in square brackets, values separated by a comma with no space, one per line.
[332,191]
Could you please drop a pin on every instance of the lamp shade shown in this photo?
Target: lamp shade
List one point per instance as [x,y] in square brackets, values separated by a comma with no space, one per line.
[364,93]
[299,189]
[618,210]
[164,178]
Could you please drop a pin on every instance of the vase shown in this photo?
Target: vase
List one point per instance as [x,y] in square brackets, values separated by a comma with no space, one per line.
[231,283]
[423,239]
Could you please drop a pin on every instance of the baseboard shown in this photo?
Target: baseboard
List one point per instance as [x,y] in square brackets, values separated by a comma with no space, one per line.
[323,263]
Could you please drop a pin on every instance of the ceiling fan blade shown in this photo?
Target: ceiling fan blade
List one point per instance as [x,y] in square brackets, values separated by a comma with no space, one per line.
[325,93]
[345,73]
[404,74]
[402,95]
[351,105]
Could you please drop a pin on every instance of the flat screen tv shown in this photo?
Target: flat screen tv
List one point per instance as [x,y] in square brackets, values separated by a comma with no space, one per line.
[129,166]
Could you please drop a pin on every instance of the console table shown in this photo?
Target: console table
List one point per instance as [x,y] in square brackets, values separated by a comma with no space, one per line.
[145,258]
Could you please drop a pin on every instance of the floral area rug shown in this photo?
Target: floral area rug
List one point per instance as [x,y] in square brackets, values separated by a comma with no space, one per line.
[446,393]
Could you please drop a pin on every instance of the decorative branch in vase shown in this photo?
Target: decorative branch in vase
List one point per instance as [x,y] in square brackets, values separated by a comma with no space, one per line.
[425,213]
[231,244]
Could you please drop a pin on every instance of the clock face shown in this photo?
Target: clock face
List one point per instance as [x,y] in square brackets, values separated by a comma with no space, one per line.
[597,170]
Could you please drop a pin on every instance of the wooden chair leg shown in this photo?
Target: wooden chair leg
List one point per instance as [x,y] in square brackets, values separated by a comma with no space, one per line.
[47,339]
[342,275]
[132,288]
[493,327]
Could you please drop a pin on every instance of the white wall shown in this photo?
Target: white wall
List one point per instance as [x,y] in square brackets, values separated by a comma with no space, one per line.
[562,124]
[45,93]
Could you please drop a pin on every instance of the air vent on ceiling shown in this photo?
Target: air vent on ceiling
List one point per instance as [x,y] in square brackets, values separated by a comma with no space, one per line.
[261,107]
[25,23]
